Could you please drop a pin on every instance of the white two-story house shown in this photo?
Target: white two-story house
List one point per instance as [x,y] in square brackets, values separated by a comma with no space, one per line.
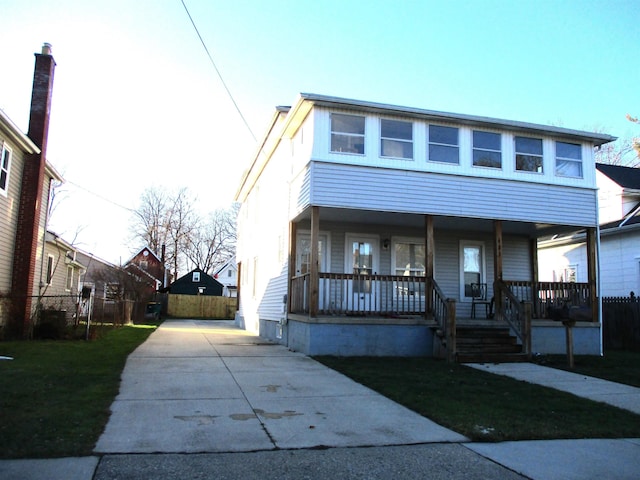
[373,229]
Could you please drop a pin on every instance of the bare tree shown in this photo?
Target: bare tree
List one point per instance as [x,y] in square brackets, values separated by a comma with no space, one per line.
[624,151]
[215,241]
[165,218]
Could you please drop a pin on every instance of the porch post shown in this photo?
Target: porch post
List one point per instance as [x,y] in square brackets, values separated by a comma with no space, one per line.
[535,276]
[497,265]
[592,272]
[430,247]
[293,234]
[314,278]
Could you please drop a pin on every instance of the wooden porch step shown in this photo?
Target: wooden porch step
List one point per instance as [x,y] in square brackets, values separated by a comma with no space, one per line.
[481,344]
[492,357]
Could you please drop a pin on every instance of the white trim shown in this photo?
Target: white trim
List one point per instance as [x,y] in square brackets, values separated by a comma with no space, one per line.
[326,259]
[4,147]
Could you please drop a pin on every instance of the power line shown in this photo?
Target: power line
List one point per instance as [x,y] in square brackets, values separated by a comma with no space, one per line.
[218,72]
[99,196]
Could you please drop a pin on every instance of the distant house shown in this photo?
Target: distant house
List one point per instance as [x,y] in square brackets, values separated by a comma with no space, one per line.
[148,268]
[63,271]
[369,229]
[563,258]
[227,275]
[26,180]
[196,282]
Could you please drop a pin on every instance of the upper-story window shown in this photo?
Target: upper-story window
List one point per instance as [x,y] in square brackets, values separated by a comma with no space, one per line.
[487,150]
[5,165]
[195,277]
[396,138]
[443,144]
[529,154]
[347,133]
[568,159]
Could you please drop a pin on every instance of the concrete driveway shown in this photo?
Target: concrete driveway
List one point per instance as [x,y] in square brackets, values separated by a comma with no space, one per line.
[207,386]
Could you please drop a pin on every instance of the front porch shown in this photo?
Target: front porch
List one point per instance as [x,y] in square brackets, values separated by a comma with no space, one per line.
[414,311]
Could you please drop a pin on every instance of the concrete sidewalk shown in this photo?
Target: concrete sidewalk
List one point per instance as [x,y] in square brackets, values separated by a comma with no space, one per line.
[616,394]
[202,399]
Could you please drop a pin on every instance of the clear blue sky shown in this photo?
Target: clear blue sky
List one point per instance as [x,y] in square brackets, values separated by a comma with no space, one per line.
[137,103]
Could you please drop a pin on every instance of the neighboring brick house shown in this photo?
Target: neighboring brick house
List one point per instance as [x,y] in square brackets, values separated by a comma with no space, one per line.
[26,180]
[148,268]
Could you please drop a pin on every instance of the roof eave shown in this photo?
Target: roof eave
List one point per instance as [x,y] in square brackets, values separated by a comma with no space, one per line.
[472,120]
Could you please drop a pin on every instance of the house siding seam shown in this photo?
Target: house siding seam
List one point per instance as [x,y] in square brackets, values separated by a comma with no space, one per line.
[375,189]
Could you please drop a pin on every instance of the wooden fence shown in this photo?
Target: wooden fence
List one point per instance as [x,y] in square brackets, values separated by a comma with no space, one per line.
[201,306]
[621,323]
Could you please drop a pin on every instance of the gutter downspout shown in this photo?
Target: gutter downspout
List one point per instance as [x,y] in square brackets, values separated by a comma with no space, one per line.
[598,282]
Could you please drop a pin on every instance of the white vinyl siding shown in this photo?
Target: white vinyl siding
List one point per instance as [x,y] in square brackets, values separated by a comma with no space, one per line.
[395,191]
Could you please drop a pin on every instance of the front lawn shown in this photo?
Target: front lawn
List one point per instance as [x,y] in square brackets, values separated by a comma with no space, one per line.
[55,394]
[484,406]
[616,365]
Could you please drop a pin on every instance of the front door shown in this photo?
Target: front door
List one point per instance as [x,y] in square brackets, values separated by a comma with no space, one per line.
[362,261]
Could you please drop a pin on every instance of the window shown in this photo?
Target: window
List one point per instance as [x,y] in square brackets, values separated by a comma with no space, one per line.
[472,262]
[568,159]
[5,166]
[529,154]
[112,291]
[487,150]
[347,133]
[443,144]
[409,259]
[571,274]
[195,277]
[229,273]
[69,282]
[396,139]
[49,269]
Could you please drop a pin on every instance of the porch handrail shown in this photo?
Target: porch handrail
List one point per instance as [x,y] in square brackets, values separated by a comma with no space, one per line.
[444,314]
[546,296]
[513,311]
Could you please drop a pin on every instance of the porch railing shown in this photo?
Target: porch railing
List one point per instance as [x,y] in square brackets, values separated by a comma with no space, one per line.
[515,312]
[353,294]
[547,297]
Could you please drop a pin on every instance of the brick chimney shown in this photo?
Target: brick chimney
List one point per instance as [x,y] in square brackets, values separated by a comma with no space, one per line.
[30,208]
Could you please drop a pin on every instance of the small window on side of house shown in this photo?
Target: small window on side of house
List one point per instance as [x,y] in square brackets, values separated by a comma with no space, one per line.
[195,277]
[529,154]
[347,133]
[50,267]
[5,168]
[487,150]
[396,139]
[69,281]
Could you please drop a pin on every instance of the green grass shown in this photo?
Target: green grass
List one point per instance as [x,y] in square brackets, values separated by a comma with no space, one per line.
[484,406]
[616,365]
[55,395]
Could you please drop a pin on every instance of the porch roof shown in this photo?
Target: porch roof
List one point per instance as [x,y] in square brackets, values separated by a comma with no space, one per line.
[364,217]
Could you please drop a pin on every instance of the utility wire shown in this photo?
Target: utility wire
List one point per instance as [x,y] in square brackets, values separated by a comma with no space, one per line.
[218,72]
[99,196]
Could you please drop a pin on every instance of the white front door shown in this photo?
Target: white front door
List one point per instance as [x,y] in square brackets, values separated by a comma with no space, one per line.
[362,261]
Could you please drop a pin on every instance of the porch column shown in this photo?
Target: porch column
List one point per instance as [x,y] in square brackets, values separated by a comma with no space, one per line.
[497,264]
[314,278]
[429,242]
[592,272]
[293,235]
[535,276]
[497,249]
